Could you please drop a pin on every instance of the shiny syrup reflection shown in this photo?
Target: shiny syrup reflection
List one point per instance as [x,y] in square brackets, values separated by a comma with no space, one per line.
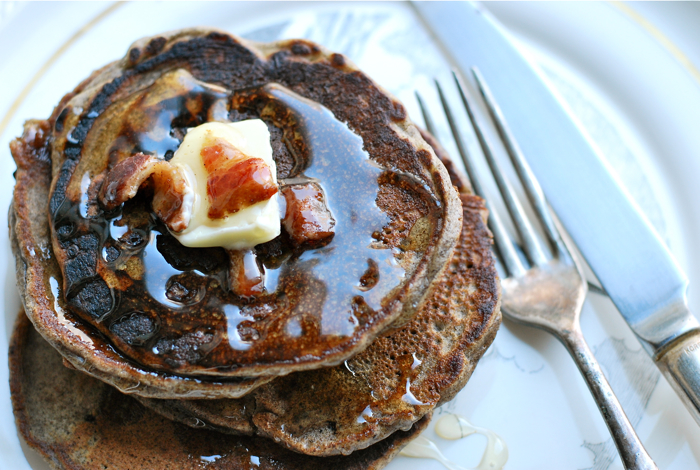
[337,160]
[314,299]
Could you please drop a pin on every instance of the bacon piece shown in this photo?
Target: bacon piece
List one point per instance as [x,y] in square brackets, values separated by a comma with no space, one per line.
[235,181]
[245,276]
[307,218]
[169,183]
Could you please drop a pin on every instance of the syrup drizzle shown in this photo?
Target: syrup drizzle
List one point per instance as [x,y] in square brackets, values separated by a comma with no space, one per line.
[409,397]
[349,180]
[158,272]
[366,413]
[84,185]
[455,427]
[160,112]
[234,319]
[61,314]
[314,299]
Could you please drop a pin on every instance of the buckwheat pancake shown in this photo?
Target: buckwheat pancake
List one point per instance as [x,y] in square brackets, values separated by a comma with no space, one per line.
[398,379]
[79,423]
[137,309]
[39,276]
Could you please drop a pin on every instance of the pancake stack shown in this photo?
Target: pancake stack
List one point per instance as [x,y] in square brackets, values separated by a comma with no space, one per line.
[340,356]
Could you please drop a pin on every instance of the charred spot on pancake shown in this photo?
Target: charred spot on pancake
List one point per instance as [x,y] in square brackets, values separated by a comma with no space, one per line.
[338,60]
[134,214]
[185,288]
[190,348]
[155,45]
[198,108]
[81,261]
[64,231]
[134,328]
[110,254]
[134,54]
[94,298]
[177,292]
[133,238]
[58,126]
[300,48]
[183,258]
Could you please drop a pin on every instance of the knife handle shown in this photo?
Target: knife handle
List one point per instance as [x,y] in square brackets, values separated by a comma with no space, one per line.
[680,363]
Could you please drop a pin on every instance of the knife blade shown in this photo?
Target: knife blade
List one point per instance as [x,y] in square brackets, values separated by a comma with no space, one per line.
[626,254]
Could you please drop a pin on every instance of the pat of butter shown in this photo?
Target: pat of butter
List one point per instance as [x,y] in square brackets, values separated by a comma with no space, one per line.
[249,226]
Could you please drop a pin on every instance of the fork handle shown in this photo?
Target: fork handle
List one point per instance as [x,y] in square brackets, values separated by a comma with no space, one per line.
[630,447]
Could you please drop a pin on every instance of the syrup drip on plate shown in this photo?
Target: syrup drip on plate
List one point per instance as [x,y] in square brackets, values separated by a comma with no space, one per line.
[455,427]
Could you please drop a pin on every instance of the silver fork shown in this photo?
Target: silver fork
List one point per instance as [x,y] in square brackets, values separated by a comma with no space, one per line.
[550,292]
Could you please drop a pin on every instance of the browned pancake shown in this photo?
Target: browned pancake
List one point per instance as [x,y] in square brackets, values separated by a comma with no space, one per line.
[394,382]
[39,276]
[78,423]
[397,217]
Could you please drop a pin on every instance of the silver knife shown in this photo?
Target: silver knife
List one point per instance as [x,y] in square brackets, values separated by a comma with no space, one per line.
[629,258]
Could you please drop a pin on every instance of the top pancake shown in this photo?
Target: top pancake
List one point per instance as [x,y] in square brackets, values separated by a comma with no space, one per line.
[397,214]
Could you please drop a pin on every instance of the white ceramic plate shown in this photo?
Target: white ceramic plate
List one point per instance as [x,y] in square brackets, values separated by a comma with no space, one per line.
[627,82]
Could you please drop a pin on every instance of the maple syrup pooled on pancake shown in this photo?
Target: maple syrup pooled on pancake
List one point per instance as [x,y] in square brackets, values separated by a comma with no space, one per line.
[310,297]
[336,161]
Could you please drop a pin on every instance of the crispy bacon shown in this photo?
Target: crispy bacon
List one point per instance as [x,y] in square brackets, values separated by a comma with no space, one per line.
[170,188]
[245,276]
[235,181]
[307,218]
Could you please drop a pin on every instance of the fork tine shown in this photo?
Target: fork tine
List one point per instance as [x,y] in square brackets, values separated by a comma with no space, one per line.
[504,244]
[532,187]
[429,124]
[532,248]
